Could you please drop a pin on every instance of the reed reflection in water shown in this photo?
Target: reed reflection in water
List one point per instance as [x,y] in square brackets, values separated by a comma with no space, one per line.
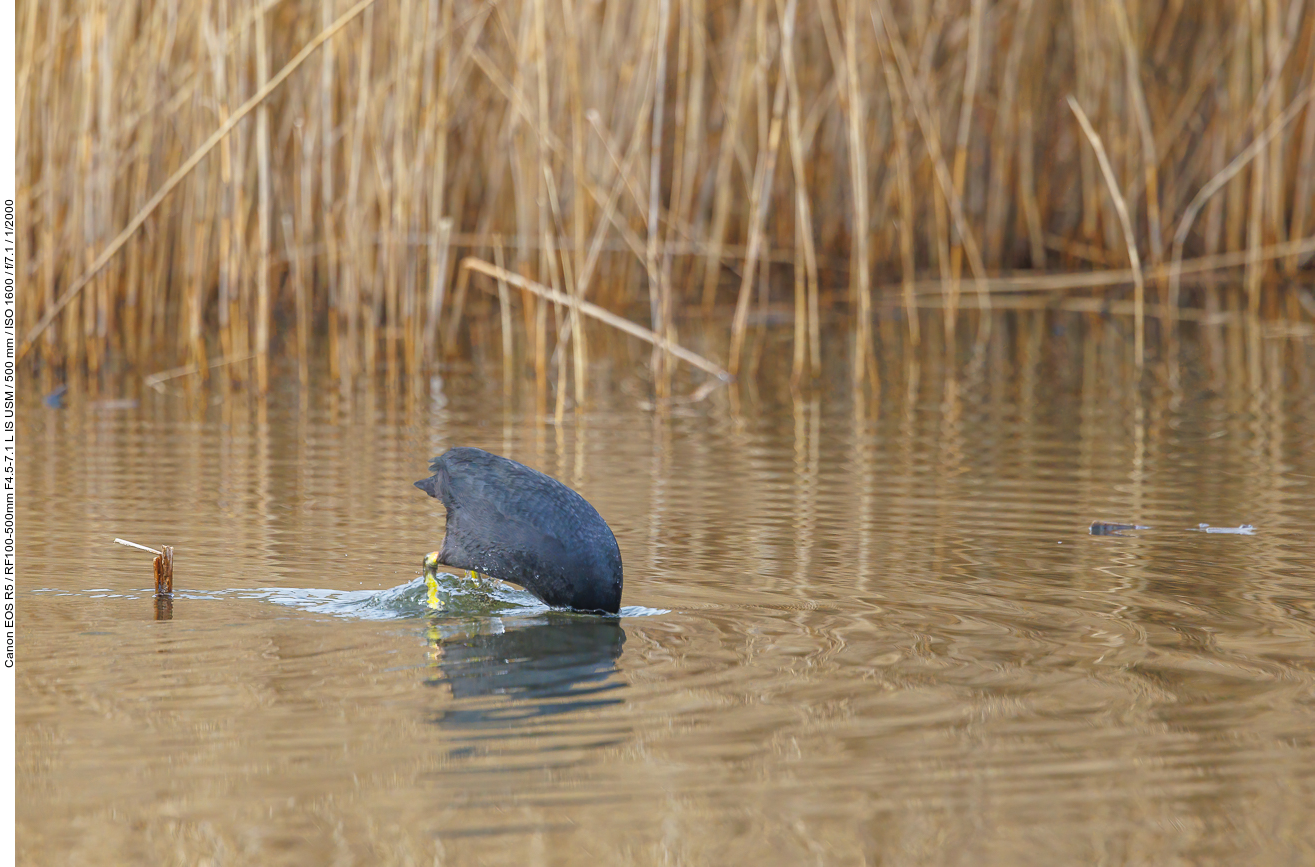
[889,636]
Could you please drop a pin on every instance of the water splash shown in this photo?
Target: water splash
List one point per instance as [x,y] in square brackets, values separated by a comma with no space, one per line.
[456,598]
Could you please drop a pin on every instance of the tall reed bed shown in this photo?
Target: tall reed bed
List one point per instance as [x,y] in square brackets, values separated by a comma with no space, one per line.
[657,158]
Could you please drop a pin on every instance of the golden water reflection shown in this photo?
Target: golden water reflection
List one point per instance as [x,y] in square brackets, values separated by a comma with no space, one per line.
[867,628]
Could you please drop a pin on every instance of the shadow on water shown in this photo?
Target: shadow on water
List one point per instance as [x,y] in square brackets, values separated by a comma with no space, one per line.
[550,664]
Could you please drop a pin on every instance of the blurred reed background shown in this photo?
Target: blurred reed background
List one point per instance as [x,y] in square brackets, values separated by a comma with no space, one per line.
[667,160]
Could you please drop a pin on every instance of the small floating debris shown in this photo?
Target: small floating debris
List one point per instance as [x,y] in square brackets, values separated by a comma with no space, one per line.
[163,567]
[55,400]
[1112,528]
[1243,530]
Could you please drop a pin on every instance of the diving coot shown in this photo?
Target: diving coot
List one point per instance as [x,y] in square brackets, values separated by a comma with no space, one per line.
[516,524]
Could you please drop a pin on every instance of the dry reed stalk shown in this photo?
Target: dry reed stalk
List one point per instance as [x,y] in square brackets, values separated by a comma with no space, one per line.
[805,279]
[392,192]
[594,311]
[932,139]
[442,249]
[1116,277]
[861,275]
[680,120]
[759,198]
[436,137]
[1256,187]
[1277,47]
[327,229]
[1122,210]
[351,269]
[219,73]
[904,178]
[1303,197]
[1188,103]
[656,291]
[1027,186]
[185,169]
[694,142]
[136,302]
[504,311]
[407,157]
[1233,131]
[533,213]
[303,227]
[299,295]
[163,568]
[263,209]
[1223,177]
[156,380]
[963,136]
[47,235]
[383,317]
[195,254]
[100,322]
[240,265]
[80,199]
[458,308]
[731,106]
[1086,74]
[1253,55]
[556,262]
[1150,161]
[580,205]
[427,75]
[609,207]
[1003,134]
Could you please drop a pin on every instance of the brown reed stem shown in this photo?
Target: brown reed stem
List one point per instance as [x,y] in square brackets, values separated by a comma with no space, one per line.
[731,106]
[1150,161]
[1221,178]
[504,311]
[904,181]
[805,279]
[861,275]
[759,198]
[656,292]
[1122,209]
[963,136]
[183,171]
[932,139]
[594,311]
[264,205]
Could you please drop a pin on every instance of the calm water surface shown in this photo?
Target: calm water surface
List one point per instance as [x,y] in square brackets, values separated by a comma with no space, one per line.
[857,632]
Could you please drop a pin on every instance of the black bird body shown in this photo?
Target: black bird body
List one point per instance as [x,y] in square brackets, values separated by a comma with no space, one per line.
[516,524]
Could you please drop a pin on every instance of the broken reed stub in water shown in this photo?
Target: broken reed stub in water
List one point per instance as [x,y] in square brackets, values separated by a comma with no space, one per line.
[164,573]
[163,567]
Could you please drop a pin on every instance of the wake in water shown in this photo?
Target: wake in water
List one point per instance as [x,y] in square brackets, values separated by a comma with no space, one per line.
[450,597]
